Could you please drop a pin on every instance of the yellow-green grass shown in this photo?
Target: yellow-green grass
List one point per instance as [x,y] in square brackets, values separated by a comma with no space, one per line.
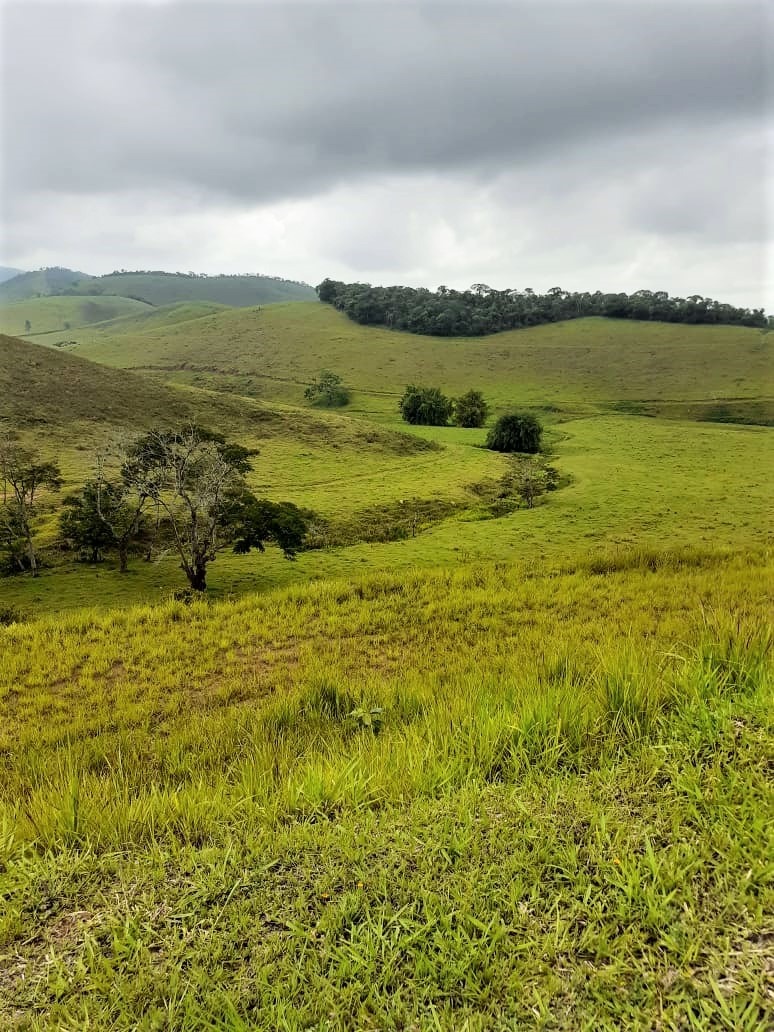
[161,317]
[463,799]
[634,482]
[50,315]
[578,365]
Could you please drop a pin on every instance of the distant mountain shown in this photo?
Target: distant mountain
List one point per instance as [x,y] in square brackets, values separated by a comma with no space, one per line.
[158,288]
[41,283]
[6,273]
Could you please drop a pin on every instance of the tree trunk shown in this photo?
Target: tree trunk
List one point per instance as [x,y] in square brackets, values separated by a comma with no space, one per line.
[197,576]
[123,560]
[33,558]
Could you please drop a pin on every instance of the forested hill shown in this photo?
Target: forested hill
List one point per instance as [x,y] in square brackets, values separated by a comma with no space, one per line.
[481,310]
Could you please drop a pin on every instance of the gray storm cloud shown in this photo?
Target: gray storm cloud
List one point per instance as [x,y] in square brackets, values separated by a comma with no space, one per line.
[661,109]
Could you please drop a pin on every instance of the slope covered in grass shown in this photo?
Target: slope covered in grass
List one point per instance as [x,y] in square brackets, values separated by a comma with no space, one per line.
[158,288]
[51,390]
[61,316]
[169,288]
[43,387]
[40,283]
[457,800]
[633,483]
[658,368]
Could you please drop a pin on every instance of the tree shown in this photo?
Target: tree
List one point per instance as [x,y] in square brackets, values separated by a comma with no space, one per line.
[327,390]
[530,484]
[196,477]
[24,477]
[482,309]
[471,410]
[81,523]
[517,432]
[105,517]
[425,406]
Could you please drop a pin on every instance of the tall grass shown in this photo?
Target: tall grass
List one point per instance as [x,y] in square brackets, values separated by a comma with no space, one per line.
[464,799]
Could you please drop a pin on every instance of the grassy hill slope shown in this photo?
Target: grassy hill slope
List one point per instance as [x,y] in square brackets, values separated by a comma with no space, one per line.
[40,283]
[654,368]
[468,799]
[359,477]
[157,288]
[633,481]
[169,288]
[63,315]
[42,387]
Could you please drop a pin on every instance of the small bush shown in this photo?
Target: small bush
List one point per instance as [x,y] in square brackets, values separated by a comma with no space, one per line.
[425,406]
[327,391]
[517,432]
[471,410]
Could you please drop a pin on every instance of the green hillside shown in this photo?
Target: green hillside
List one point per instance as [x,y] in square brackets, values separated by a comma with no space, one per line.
[466,763]
[169,288]
[148,318]
[158,288]
[60,316]
[359,477]
[584,364]
[630,481]
[39,284]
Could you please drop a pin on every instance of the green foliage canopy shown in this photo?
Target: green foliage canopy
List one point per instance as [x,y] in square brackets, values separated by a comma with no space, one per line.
[471,409]
[328,391]
[425,406]
[481,310]
[515,432]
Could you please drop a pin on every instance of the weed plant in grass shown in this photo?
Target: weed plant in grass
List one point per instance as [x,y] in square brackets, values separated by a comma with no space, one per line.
[562,817]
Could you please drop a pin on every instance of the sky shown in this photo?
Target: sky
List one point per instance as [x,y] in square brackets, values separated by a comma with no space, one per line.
[589,145]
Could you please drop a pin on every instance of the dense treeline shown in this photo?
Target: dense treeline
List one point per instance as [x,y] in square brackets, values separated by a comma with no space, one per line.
[481,310]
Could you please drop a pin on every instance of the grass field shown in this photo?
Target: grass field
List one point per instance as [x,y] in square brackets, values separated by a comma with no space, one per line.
[578,366]
[451,800]
[59,317]
[510,772]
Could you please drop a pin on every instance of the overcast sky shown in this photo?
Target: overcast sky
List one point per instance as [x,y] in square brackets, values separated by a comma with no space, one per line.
[586,145]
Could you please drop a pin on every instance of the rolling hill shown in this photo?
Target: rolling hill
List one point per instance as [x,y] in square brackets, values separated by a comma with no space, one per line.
[61,315]
[507,768]
[40,283]
[157,288]
[633,479]
[578,366]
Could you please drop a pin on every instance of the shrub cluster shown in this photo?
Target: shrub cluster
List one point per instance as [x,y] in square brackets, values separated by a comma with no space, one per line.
[515,432]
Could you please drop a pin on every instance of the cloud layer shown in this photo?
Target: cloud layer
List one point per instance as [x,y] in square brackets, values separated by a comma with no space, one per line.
[590,145]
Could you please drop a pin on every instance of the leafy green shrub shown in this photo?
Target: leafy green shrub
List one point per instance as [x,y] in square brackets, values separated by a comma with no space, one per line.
[471,410]
[425,406]
[327,391]
[516,432]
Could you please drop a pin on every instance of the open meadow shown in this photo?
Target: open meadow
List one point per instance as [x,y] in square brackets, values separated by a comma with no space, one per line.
[462,763]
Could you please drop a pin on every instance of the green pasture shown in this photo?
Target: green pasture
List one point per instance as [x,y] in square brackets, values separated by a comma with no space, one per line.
[468,798]
[51,315]
[576,366]
[633,483]
[508,771]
